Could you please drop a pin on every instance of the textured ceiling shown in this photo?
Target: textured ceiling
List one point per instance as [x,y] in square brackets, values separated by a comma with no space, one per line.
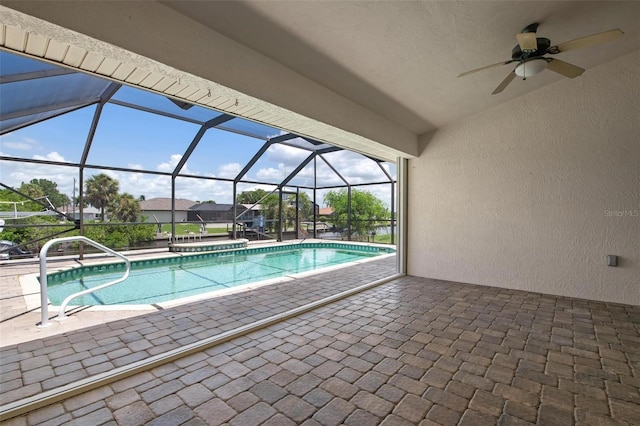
[400,59]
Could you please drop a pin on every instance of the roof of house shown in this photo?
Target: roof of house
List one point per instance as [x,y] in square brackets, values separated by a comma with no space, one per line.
[254,207]
[326,211]
[164,204]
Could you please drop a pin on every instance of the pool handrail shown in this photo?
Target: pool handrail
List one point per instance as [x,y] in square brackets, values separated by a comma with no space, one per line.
[44,299]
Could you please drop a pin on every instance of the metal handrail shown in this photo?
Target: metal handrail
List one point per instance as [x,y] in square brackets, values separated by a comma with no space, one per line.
[44,300]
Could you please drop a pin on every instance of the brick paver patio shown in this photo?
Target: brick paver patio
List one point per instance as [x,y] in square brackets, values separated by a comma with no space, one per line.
[38,365]
[412,351]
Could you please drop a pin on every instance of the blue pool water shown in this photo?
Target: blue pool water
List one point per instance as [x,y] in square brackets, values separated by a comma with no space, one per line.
[161,280]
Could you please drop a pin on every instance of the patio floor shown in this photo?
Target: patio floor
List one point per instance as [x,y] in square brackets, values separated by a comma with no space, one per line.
[411,351]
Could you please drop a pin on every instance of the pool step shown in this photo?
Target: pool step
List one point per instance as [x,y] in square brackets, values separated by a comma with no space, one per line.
[208,246]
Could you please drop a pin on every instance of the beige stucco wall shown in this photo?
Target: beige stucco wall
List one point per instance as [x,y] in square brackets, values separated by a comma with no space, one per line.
[533,194]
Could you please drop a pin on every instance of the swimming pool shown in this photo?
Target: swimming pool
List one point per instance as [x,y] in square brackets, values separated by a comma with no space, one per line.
[167,279]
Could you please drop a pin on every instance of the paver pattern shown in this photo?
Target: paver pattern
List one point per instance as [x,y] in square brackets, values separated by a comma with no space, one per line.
[39,365]
[412,351]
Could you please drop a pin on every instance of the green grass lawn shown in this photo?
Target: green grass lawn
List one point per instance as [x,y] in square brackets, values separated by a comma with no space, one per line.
[382,239]
[217,230]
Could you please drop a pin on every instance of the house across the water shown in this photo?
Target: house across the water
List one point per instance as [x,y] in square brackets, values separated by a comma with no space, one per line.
[159,209]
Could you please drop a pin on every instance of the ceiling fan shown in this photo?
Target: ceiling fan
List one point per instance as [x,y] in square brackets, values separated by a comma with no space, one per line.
[530,50]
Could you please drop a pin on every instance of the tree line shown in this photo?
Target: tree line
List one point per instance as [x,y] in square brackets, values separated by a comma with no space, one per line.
[364,212]
[101,192]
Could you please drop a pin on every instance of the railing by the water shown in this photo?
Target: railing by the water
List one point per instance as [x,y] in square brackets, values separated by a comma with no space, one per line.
[44,299]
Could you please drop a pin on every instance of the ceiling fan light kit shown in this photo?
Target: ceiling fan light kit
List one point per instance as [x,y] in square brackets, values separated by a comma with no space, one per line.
[531,67]
[530,50]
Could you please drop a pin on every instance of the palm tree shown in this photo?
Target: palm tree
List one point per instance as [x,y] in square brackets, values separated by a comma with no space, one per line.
[125,208]
[100,191]
[270,208]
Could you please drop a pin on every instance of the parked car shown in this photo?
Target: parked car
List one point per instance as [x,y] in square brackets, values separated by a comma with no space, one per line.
[11,250]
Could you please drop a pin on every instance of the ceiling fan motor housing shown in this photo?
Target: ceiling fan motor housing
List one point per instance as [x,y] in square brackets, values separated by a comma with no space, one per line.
[543,45]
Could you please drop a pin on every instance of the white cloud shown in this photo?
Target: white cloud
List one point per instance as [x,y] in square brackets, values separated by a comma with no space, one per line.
[52,156]
[14,173]
[171,164]
[354,167]
[280,133]
[287,155]
[204,189]
[22,146]
[152,186]
[271,174]
[251,187]
[18,143]
[229,171]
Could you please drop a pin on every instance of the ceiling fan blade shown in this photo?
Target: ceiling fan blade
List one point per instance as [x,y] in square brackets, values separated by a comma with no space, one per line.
[564,68]
[590,40]
[527,41]
[485,68]
[504,83]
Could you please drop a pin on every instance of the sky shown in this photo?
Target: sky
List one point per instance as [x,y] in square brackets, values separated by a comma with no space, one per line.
[130,138]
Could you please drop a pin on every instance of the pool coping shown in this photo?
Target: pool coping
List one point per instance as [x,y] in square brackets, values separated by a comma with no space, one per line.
[30,284]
